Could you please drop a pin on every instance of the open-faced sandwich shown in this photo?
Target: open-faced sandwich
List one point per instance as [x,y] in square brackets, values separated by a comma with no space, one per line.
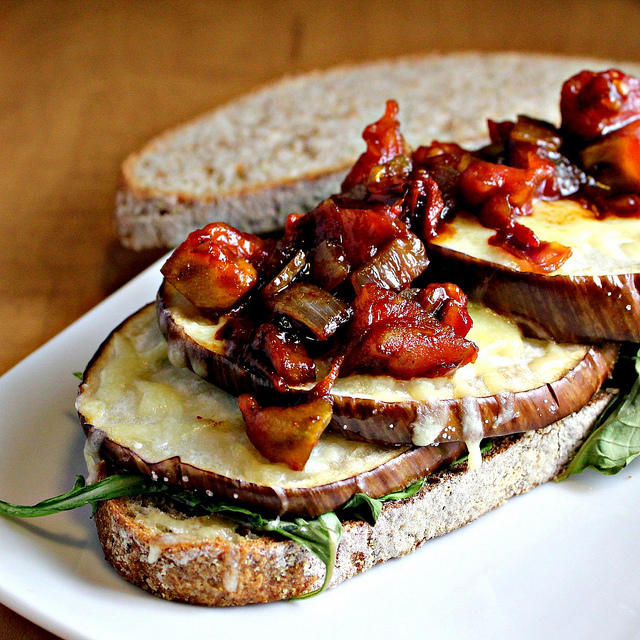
[294,410]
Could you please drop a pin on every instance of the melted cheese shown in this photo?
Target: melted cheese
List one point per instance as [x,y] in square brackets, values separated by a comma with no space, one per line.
[159,411]
[599,247]
[174,529]
[507,362]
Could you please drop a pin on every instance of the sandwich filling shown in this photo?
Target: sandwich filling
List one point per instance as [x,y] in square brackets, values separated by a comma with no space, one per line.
[135,397]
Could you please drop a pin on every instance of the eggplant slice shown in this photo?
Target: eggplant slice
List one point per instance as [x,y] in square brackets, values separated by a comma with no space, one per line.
[142,413]
[593,297]
[515,385]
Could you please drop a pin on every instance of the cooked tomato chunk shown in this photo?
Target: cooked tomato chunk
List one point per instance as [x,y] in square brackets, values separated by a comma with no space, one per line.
[594,104]
[359,232]
[384,142]
[448,303]
[502,193]
[396,336]
[286,354]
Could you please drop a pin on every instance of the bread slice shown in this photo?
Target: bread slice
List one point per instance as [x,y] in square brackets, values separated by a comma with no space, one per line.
[204,561]
[285,147]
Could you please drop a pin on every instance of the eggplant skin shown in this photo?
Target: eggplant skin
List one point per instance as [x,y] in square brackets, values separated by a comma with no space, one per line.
[403,467]
[370,420]
[563,308]
[499,415]
[307,502]
[215,368]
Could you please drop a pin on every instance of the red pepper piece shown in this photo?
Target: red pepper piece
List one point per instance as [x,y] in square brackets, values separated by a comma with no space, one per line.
[384,142]
[594,104]
[286,434]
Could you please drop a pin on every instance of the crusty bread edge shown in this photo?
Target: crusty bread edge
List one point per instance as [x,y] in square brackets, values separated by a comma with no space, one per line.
[260,569]
[165,220]
[147,217]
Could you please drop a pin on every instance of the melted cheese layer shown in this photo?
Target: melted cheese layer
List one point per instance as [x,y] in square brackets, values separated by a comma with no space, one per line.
[507,362]
[158,411]
[599,247]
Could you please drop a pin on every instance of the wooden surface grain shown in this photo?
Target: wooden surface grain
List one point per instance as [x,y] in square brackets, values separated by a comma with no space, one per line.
[84,83]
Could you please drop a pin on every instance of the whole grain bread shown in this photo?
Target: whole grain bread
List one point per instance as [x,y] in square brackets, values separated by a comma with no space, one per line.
[288,145]
[236,568]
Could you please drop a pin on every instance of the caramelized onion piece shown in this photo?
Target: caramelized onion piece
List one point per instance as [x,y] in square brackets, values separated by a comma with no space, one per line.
[394,267]
[291,270]
[525,133]
[329,266]
[615,159]
[285,434]
[312,307]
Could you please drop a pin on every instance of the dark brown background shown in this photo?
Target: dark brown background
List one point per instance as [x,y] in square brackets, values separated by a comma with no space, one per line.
[84,83]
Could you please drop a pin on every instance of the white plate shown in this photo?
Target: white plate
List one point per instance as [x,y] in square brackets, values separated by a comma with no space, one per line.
[560,562]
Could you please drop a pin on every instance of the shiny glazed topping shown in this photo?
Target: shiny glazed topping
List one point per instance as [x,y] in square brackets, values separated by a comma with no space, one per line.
[339,285]
[335,286]
[507,362]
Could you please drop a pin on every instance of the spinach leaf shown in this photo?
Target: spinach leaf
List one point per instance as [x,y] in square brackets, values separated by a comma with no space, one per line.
[321,536]
[364,507]
[112,487]
[615,442]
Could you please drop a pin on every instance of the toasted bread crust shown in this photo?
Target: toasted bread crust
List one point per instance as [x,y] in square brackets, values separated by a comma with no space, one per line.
[284,147]
[241,569]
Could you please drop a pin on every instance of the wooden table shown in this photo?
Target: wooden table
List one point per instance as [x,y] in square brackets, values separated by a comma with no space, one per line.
[83,83]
